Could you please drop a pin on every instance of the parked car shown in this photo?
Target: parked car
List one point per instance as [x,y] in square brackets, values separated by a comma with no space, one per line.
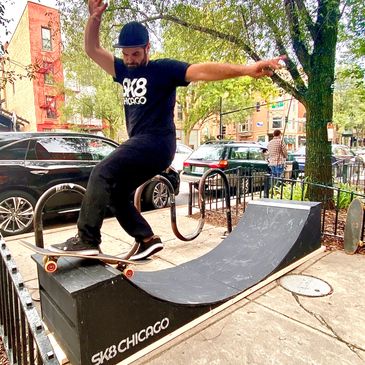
[340,153]
[360,153]
[182,153]
[31,163]
[227,155]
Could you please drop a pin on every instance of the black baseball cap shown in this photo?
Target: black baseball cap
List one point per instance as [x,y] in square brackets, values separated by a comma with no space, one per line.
[133,34]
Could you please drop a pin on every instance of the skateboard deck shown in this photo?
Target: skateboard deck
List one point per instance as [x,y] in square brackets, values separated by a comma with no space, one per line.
[50,259]
[354,227]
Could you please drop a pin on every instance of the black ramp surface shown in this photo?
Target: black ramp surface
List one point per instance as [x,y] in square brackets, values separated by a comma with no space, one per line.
[271,235]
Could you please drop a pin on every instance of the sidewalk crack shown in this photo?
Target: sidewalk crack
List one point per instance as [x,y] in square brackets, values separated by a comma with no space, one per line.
[324,323]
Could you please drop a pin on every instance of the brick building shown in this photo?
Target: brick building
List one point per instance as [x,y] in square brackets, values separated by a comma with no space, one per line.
[35,47]
[284,113]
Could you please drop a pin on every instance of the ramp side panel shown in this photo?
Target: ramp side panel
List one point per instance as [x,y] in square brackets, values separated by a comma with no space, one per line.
[114,318]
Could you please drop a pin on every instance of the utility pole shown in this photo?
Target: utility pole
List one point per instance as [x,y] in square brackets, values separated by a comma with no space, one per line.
[220,118]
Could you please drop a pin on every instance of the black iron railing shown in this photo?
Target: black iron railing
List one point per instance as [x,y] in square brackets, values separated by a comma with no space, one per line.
[21,327]
[244,187]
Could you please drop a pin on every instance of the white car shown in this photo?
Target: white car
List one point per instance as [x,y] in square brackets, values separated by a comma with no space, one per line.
[182,153]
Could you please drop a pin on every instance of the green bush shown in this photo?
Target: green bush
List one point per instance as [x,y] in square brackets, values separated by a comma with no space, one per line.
[291,191]
[344,196]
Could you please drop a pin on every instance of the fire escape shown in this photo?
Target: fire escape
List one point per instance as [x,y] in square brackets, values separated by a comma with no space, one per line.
[48,73]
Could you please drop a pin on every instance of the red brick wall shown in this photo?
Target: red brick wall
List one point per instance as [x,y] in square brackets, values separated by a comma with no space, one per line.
[42,16]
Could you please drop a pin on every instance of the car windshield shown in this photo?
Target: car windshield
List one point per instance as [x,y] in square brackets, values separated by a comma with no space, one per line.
[207,152]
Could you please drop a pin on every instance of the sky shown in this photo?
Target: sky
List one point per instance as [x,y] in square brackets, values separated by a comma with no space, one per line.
[14,12]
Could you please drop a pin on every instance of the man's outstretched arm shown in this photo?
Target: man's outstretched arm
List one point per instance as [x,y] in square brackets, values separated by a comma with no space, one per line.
[211,71]
[93,49]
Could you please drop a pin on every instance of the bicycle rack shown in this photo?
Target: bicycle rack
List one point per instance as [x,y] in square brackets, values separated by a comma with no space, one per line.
[201,192]
[38,222]
[38,210]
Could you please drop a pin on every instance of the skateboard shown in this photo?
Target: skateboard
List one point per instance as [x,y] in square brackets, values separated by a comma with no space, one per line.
[354,227]
[50,259]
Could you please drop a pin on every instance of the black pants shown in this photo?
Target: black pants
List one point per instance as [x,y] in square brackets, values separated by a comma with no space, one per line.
[113,182]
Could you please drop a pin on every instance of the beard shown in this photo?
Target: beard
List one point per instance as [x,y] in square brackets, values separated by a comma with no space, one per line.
[133,65]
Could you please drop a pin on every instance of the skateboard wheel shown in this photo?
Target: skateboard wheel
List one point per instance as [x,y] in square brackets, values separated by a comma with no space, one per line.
[50,266]
[128,273]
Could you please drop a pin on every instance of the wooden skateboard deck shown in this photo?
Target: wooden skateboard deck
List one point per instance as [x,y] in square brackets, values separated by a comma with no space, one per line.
[354,227]
[50,259]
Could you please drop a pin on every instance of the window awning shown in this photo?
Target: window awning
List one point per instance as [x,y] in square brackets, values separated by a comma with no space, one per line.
[5,123]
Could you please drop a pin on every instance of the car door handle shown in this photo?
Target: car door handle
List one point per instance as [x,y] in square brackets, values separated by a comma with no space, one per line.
[39,172]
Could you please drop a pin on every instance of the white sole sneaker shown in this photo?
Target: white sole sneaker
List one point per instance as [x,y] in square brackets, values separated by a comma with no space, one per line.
[149,251]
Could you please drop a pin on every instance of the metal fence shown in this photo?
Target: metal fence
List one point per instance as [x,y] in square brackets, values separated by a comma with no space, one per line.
[351,174]
[259,185]
[21,328]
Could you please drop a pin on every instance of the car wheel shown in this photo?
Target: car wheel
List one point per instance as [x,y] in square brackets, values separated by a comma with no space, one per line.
[16,212]
[156,195]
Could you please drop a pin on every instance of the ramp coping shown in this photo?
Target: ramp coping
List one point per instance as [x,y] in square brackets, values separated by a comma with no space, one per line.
[280,204]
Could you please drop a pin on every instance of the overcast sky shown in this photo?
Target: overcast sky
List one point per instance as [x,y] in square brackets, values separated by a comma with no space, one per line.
[15,11]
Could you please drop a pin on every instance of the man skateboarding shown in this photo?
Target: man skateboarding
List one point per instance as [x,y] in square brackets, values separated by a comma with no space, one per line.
[149,90]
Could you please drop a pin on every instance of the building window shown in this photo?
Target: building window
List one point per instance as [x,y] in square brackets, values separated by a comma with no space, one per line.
[244,127]
[46,39]
[277,122]
[301,126]
[51,107]
[48,73]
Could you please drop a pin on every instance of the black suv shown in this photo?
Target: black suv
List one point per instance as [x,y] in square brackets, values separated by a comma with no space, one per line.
[31,163]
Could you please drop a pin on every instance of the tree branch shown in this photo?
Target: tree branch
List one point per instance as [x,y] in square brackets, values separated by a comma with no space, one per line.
[298,45]
[307,18]
[215,33]
[291,66]
[297,93]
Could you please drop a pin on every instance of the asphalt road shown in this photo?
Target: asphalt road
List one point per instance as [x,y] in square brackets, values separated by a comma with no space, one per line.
[183,197]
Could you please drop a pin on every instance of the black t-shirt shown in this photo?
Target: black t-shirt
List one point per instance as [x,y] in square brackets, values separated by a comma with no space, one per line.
[149,94]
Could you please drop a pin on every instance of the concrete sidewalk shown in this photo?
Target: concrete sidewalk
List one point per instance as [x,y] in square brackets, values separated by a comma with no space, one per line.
[270,326]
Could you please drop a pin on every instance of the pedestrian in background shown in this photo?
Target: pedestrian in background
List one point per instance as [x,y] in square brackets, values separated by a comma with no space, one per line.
[277,155]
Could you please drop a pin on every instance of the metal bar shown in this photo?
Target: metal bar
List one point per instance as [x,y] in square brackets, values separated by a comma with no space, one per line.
[12,343]
[23,326]
[30,346]
[18,328]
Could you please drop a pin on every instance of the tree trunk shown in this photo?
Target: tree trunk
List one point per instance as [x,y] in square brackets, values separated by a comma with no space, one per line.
[318,168]
[319,107]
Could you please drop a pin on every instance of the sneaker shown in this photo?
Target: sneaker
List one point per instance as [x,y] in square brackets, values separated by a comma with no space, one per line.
[148,248]
[75,245]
